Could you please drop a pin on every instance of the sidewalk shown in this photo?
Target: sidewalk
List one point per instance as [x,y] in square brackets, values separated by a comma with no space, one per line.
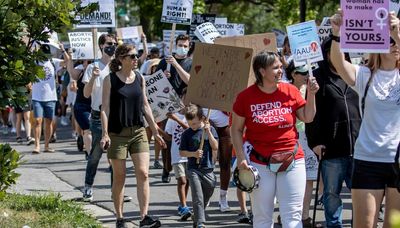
[63,172]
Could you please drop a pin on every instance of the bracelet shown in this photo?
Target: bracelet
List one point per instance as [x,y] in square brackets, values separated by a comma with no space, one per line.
[335,38]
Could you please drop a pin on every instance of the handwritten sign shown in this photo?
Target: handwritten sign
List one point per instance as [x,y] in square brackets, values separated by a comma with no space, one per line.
[198,19]
[161,96]
[130,35]
[104,17]
[207,33]
[258,42]
[81,45]
[177,11]
[230,29]
[325,29]
[365,26]
[167,39]
[304,42]
[218,74]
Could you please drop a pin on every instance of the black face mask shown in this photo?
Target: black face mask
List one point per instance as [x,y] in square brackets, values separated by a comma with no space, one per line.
[110,50]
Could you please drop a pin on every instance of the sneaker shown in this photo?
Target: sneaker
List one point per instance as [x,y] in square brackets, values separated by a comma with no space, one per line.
[30,141]
[64,121]
[19,140]
[243,217]
[120,223]
[127,198]
[148,221]
[4,129]
[79,143]
[165,178]
[87,194]
[13,130]
[223,205]
[185,213]
[180,209]
[157,165]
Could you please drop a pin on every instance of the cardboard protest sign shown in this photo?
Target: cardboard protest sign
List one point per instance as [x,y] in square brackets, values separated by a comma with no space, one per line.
[161,96]
[177,11]
[218,74]
[167,39]
[304,43]
[258,42]
[230,29]
[103,18]
[81,44]
[207,33]
[198,19]
[130,35]
[365,26]
[325,29]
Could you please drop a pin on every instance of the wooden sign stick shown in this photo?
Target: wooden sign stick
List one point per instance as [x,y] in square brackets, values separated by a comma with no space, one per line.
[171,43]
[203,135]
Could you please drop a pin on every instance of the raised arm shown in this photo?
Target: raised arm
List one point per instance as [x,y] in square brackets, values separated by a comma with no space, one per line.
[346,70]
[143,57]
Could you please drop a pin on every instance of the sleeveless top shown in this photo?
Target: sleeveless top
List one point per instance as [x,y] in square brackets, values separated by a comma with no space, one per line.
[126,103]
[80,98]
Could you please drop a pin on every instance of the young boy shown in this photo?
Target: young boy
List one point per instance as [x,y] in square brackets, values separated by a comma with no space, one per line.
[201,161]
[175,126]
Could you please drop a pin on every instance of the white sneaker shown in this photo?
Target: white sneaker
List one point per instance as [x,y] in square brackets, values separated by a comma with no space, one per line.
[13,130]
[64,121]
[223,205]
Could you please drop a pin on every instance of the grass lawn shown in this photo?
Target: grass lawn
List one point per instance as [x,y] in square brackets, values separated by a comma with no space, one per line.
[43,211]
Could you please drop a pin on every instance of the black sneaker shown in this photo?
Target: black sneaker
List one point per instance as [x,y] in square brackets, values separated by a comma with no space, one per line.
[243,217]
[148,221]
[120,223]
[79,142]
[165,178]
[53,139]
[30,141]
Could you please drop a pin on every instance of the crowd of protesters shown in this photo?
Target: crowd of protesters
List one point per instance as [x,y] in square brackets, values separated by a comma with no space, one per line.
[345,119]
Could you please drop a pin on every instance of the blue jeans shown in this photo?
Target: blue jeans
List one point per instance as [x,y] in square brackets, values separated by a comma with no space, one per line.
[334,172]
[95,153]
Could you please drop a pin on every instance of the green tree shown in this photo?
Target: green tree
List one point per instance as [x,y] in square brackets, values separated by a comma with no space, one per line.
[22,22]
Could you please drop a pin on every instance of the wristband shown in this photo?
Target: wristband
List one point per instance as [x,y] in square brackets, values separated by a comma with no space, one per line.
[335,38]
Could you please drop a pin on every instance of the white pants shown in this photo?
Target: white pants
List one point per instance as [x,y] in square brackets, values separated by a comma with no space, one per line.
[289,189]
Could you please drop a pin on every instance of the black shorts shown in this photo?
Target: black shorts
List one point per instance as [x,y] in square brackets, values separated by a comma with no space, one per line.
[373,175]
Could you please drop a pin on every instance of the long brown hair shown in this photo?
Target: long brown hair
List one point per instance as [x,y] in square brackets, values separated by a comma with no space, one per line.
[122,51]
[375,62]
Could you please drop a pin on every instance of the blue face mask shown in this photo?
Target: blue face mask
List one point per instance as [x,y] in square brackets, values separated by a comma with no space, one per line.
[181,51]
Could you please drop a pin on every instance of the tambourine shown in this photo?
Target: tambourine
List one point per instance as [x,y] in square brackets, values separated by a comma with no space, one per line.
[246,179]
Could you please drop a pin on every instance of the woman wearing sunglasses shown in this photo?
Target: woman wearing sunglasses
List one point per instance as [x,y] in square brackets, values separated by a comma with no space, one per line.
[123,107]
[268,111]
[378,85]
[333,133]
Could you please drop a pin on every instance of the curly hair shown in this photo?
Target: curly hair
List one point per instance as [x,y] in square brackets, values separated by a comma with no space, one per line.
[122,51]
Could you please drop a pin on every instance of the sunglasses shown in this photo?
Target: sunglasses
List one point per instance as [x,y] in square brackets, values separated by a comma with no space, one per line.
[111,44]
[302,73]
[392,42]
[133,56]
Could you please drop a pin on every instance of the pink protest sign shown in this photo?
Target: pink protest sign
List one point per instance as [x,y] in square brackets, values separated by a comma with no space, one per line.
[365,26]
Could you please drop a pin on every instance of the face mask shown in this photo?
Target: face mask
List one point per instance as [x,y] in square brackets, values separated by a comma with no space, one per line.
[110,50]
[181,51]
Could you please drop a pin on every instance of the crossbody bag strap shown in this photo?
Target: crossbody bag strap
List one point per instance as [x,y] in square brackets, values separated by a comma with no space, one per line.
[365,94]
[266,160]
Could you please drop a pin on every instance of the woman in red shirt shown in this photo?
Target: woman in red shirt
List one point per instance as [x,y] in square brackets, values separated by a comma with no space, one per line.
[268,110]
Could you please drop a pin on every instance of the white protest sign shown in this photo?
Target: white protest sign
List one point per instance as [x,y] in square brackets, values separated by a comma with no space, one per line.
[304,42]
[130,35]
[207,33]
[280,37]
[325,29]
[230,29]
[221,20]
[103,18]
[81,45]
[177,11]
[161,96]
[167,39]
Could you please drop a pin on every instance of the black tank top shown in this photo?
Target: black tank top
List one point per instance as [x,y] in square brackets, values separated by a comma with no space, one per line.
[126,103]
[80,98]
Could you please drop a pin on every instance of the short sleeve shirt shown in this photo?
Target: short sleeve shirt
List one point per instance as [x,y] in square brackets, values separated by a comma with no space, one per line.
[45,89]
[97,90]
[190,141]
[175,130]
[270,119]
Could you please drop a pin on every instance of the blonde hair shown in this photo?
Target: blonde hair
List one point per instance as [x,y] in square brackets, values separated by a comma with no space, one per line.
[375,62]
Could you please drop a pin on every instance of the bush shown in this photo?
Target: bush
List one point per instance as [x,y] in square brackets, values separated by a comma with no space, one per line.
[9,161]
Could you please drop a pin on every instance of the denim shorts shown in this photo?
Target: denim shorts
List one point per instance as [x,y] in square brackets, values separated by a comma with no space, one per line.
[373,175]
[82,115]
[43,109]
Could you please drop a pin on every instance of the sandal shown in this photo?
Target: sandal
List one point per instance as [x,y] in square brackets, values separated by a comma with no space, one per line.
[35,152]
[49,150]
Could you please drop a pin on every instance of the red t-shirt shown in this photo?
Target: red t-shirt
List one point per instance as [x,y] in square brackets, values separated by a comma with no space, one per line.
[270,119]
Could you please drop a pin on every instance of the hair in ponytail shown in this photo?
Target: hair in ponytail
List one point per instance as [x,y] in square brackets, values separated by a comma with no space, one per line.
[115,65]
[121,52]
